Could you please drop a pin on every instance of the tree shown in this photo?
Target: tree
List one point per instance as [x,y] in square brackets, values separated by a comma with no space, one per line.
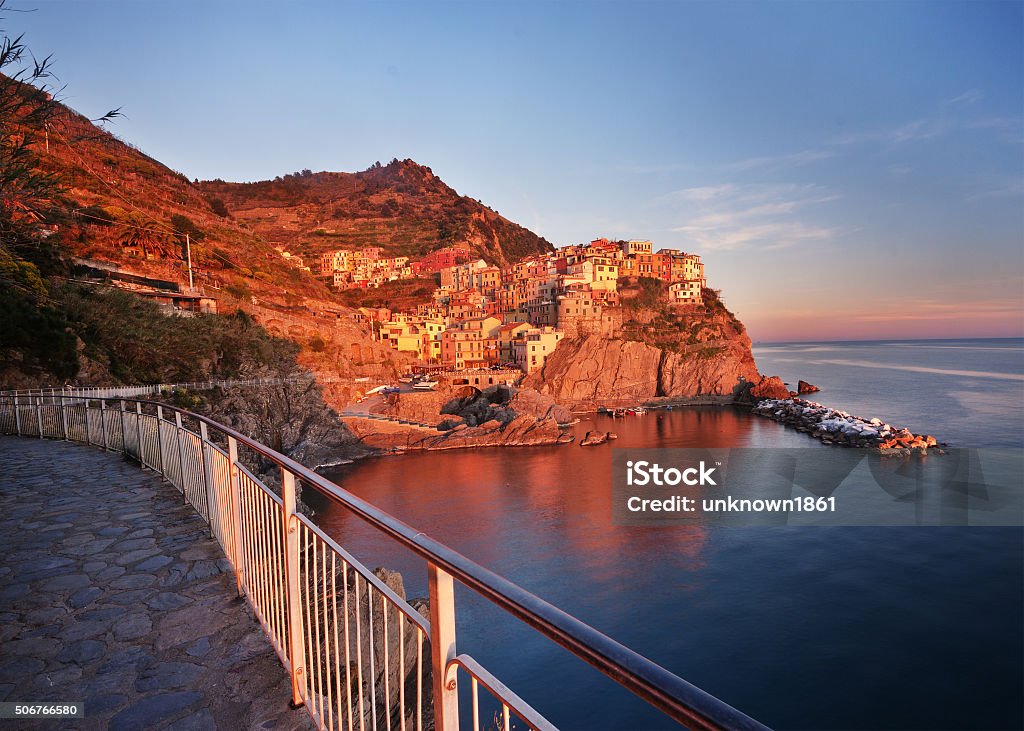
[218,206]
[32,328]
[184,225]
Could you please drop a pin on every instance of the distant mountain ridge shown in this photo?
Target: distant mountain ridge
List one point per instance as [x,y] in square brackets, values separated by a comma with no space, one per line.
[402,207]
[132,209]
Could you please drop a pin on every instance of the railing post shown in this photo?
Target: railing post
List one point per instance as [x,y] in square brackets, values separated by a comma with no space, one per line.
[160,438]
[208,478]
[138,430]
[181,455]
[236,511]
[64,419]
[39,415]
[442,648]
[296,653]
[103,423]
[124,440]
[17,415]
[88,433]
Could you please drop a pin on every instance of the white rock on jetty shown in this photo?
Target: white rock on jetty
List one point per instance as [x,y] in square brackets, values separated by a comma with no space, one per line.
[832,426]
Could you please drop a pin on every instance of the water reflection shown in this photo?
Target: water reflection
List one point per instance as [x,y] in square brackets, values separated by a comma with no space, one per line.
[866,622]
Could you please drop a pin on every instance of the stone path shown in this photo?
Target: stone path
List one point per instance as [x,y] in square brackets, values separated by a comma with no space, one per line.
[113,593]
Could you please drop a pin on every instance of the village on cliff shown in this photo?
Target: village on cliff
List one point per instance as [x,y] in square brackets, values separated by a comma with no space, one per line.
[485,316]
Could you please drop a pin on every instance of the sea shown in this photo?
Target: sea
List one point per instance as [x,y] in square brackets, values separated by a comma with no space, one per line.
[800,627]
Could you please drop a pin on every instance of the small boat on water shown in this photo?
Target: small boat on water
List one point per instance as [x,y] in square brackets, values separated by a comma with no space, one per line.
[425,385]
[407,378]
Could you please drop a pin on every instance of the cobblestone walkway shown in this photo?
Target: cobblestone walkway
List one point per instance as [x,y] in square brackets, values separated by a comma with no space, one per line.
[113,593]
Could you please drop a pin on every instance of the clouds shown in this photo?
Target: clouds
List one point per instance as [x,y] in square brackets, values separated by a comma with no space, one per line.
[758,208]
[796,159]
[733,216]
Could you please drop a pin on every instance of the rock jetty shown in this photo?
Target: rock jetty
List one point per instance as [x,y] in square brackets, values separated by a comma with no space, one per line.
[832,426]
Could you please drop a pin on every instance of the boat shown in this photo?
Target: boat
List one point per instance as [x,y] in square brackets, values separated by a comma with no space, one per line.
[407,378]
[425,385]
[637,410]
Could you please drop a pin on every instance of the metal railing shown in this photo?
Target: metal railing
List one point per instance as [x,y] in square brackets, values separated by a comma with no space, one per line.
[156,389]
[358,654]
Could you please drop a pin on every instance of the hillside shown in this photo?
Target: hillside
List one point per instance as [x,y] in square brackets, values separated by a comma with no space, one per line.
[402,207]
[117,204]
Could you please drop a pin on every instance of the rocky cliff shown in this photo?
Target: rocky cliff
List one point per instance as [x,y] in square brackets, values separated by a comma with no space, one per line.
[462,417]
[592,370]
[659,351]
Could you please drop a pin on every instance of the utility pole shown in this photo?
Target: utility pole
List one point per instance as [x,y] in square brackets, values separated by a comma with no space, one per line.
[188,252]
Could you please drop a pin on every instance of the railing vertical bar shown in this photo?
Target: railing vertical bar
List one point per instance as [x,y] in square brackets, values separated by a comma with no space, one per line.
[103,423]
[476,705]
[291,559]
[280,581]
[359,658]
[267,523]
[236,511]
[419,679]
[401,669]
[88,426]
[504,708]
[17,416]
[328,667]
[308,627]
[160,439]
[64,419]
[348,659]
[337,658]
[317,646]
[39,415]
[387,668]
[259,545]
[124,431]
[208,477]
[178,429]
[251,581]
[266,536]
[251,520]
[138,429]
[371,644]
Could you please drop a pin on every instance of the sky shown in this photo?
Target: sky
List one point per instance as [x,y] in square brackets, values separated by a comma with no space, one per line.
[846,170]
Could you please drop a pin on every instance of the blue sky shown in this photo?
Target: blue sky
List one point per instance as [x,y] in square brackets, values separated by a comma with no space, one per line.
[846,170]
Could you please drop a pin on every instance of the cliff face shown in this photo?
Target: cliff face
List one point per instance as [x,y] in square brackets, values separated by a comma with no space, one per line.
[587,371]
[657,352]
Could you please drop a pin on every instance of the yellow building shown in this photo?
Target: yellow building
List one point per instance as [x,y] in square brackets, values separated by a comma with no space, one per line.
[535,345]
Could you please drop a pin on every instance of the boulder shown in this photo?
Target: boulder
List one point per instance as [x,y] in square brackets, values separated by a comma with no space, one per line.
[770,387]
[592,438]
[803,387]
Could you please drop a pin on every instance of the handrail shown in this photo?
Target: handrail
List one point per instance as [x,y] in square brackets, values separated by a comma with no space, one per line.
[677,698]
[126,392]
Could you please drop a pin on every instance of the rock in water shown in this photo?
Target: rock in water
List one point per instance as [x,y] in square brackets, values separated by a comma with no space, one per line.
[770,387]
[805,387]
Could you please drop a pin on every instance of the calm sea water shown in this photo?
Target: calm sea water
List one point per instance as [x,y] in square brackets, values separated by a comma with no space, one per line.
[803,628]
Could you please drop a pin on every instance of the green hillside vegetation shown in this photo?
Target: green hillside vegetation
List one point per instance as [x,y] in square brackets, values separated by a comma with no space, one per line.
[132,341]
[649,318]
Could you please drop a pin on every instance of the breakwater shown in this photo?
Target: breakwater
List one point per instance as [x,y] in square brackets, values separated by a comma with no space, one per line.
[835,427]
